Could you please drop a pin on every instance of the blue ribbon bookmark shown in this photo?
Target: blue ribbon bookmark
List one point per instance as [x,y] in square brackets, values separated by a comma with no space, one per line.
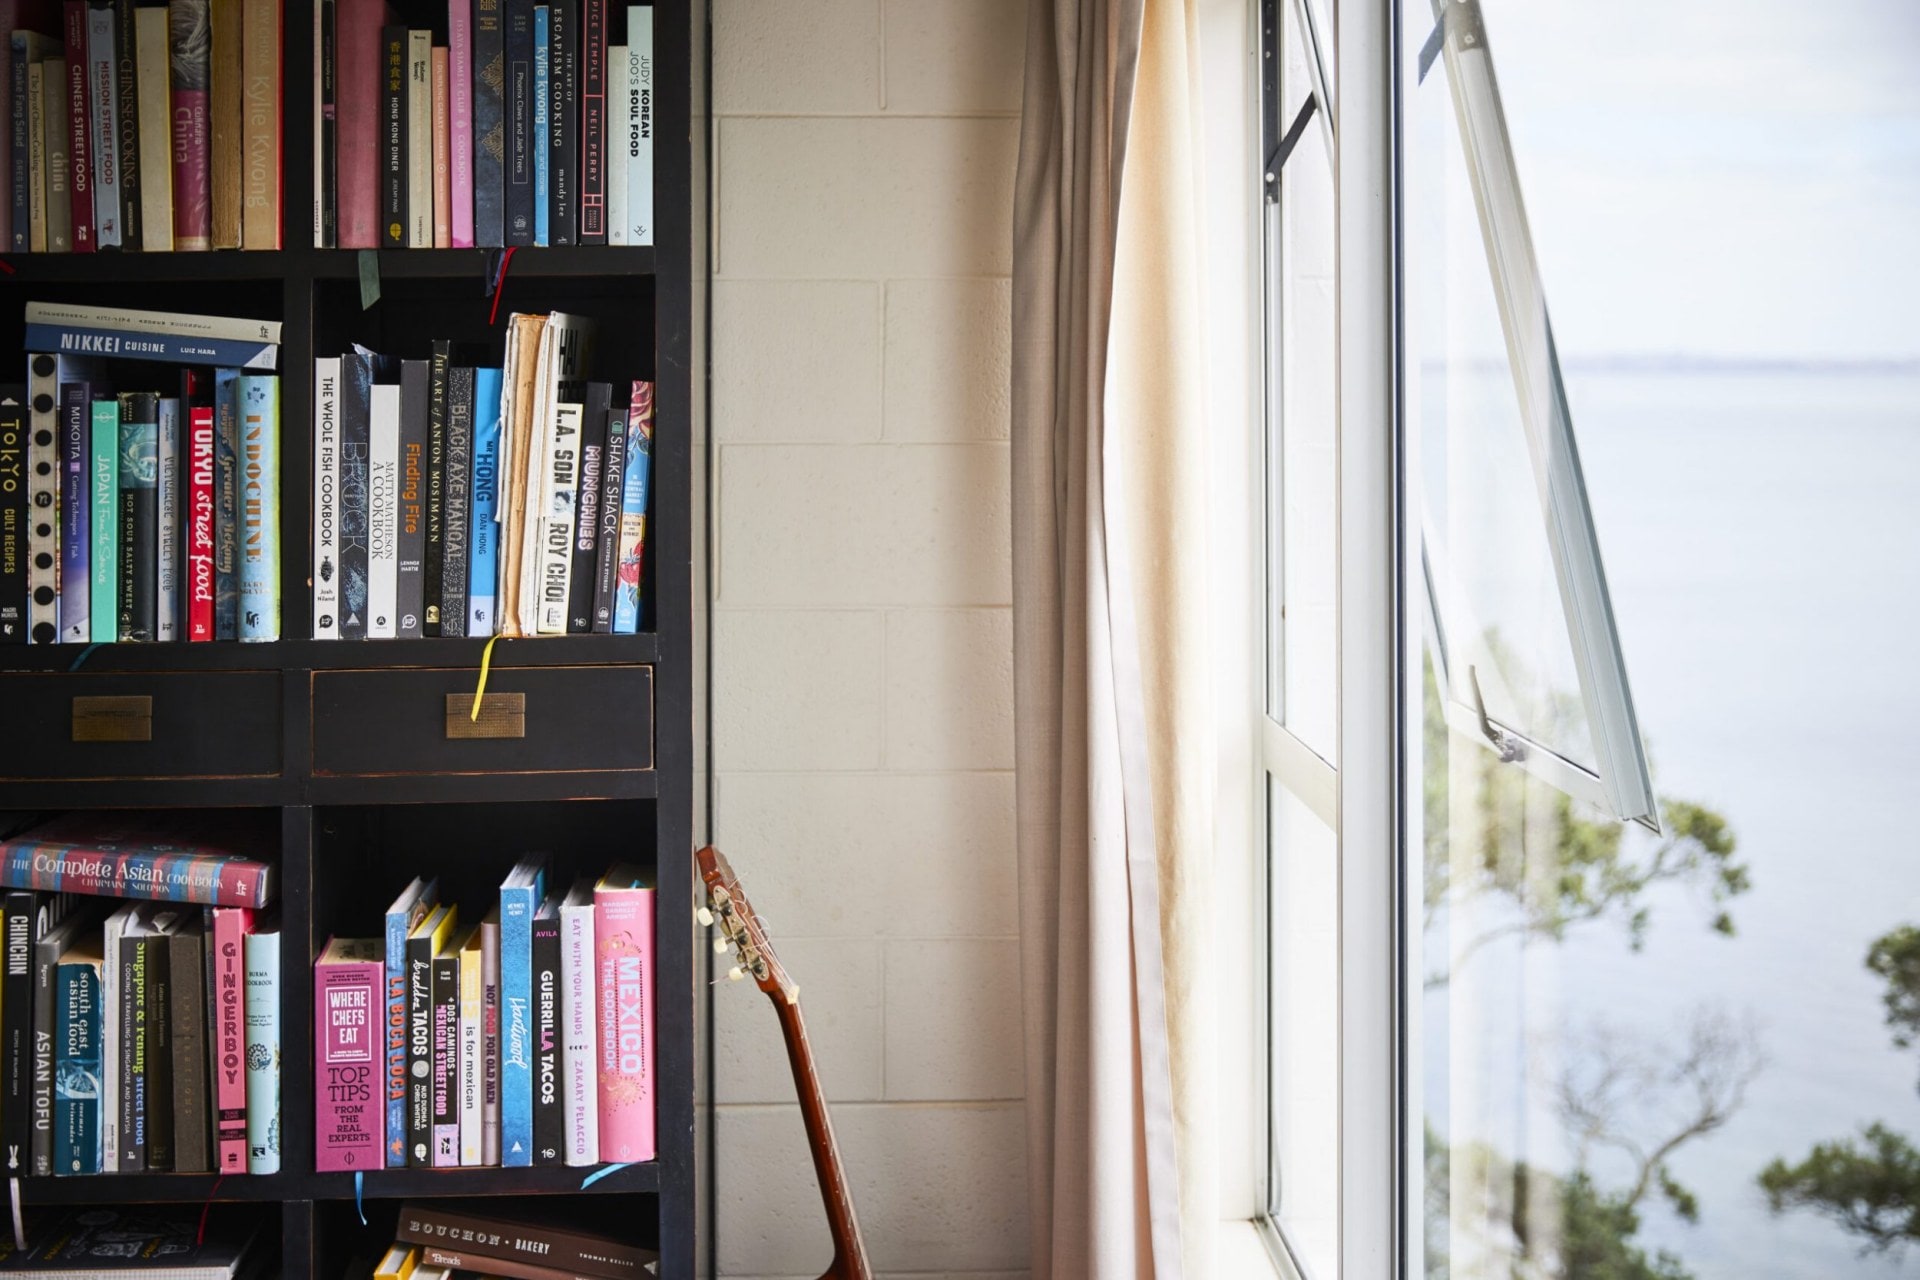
[602,1172]
[84,655]
[359,1190]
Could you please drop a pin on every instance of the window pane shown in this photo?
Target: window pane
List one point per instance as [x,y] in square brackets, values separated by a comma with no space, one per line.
[1304,1027]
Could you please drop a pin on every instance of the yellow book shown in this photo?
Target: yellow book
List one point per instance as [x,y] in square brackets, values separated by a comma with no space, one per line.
[398,1263]
[156,129]
[472,1067]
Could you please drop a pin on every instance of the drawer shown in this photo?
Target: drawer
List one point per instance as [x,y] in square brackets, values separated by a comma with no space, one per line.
[201,724]
[534,720]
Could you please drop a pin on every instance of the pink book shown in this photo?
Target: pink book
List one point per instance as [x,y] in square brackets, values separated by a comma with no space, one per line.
[200,523]
[442,175]
[460,112]
[623,951]
[349,1113]
[192,131]
[228,963]
[357,26]
[79,126]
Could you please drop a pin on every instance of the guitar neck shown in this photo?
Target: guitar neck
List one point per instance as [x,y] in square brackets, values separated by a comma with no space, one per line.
[849,1253]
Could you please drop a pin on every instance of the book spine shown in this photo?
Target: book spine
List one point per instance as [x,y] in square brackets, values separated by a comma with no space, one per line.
[419,109]
[347,1103]
[226,116]
[419,1101]
[460,119]
[516,1026]
[557,525]
[53,115]
[539,138]
[326,126]
[579,1053]
[490,1041]
[592,78]
[457,473]
[228,963]
[139,514]
[393,137]
[19,146]
[168,348]
[190,44]
[463,1259]
[103,99]
[410,542]
[446,1060]
[356,378]
[442,155]
[586,521]
[483,528]
[158,1099]
[175,875]
[126,107]
[16,1032]
[623,946]
[132,1014]
[618,122]
[76,1092]
[167,594]
[489,125]
[29,98]
[640,88]
[226,504]
[112,933]
[436,486]
[79,126]
[13,517]
[43,499]
[46,1003]
[548,1119]
[517,173]
[260,65]
[383,512]
[469,1025]
[263,1052]
[563,114]
[394,1078]
[633,510]
[613,475]
[554,1250]
[187,1014]
[200,523]
[260,508]
[103,521]
[155,110]
[360,127]
[326,496]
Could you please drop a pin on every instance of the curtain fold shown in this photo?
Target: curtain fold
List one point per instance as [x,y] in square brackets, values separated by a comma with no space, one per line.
[1112,721]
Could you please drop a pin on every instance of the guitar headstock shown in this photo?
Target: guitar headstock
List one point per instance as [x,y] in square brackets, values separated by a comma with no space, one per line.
[733,916]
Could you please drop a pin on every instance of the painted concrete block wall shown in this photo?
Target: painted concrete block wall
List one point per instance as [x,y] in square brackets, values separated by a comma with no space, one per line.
[864,159]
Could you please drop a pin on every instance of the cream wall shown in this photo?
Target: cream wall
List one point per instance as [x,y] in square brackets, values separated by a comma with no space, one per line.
[863,745]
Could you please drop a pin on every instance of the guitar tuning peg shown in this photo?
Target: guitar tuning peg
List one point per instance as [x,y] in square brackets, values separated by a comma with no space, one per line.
[719,946]
[705,917]
[736,973]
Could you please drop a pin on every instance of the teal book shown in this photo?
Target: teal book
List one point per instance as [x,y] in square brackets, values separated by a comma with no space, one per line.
[76,1061]
[259,507]
[263,1049]
[104,524]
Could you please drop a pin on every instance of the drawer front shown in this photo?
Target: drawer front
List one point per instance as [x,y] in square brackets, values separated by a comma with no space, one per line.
[532,720]
[212,724]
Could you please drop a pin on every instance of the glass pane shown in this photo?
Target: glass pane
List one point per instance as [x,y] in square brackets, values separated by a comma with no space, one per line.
[1304,1024]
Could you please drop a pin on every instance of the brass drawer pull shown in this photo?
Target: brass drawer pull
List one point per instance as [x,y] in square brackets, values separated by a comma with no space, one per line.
[116,718]
[502,715]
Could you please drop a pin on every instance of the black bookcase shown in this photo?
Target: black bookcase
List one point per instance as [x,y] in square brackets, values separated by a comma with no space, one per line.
[346,744]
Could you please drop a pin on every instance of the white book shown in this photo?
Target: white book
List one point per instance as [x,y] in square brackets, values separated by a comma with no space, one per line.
[103,71]
[503,487]
[557,520]
[178,324]
[619,102]
[565,342]
[326,498]
[167,594]
[383,511]
[419,139]
[579,1086]
[640,87]
[156,128]
[43,499]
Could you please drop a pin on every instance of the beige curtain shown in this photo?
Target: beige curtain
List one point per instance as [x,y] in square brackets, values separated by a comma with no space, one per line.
[1112,723]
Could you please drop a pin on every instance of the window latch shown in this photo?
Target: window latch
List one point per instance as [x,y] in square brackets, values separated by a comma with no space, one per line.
[1507,746]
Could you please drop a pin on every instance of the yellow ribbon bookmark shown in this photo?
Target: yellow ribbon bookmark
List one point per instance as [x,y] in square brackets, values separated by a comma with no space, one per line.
[480,691]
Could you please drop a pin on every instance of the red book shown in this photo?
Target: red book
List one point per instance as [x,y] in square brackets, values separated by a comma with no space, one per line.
[79,127]
[192,130]
[227,967]
[357,25]
[200,523]
[348,1012]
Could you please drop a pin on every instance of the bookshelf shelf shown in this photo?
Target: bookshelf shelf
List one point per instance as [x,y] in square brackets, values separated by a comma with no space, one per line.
[349,840]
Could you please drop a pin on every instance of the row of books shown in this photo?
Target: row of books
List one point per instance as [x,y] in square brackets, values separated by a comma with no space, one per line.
[140,489]
[506,123]
[179,1242]
[523,1039]
[137,1035]
[455,499]
[143,127]
[436,1239]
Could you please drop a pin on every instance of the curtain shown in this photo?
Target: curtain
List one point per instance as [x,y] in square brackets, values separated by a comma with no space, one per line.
[1113,730]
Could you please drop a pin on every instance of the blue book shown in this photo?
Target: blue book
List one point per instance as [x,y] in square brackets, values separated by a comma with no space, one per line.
[263,1049]
[407,910]
[483,528]
[520,896]
[76,505]
[226,504]
[489,125]
[633,517]
[519,158]
[167,348]
[76,1060]
[259,563]
[542,94]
